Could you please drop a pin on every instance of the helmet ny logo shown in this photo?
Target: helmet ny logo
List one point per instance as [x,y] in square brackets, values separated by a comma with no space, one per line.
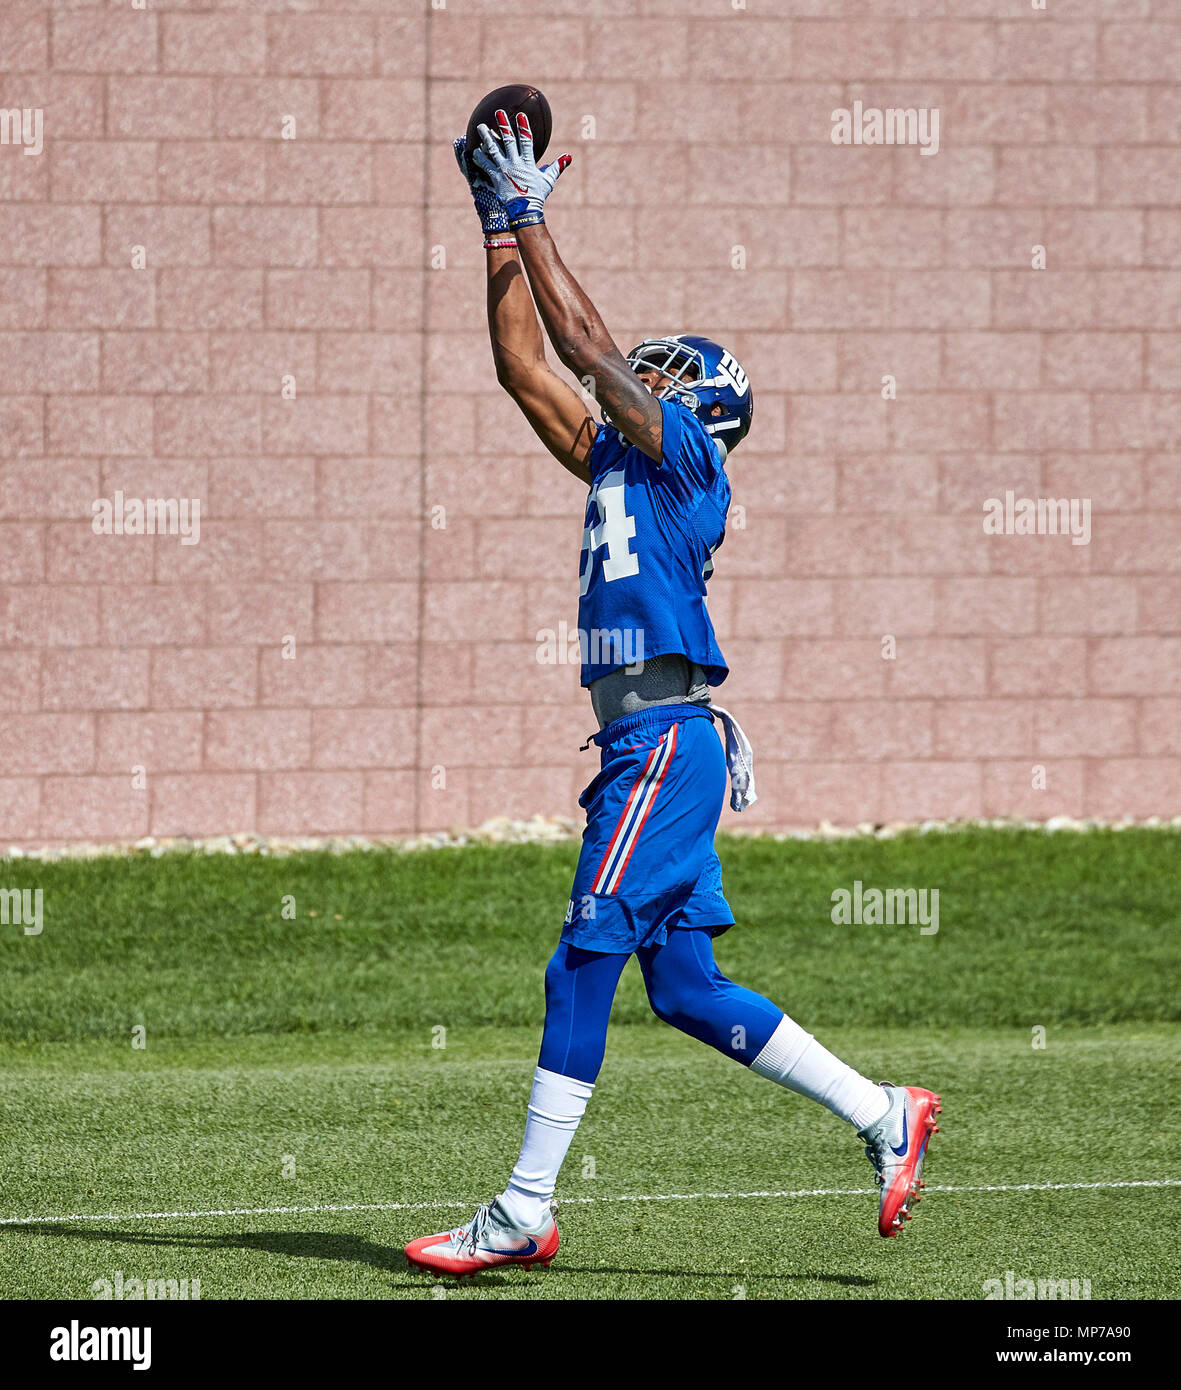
[733,374]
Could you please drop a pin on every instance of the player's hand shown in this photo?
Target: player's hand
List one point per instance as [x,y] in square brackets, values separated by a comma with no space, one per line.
[509,164]
[493,218]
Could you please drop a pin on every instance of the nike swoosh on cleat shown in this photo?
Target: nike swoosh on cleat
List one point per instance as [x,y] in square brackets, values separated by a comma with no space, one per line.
[532,1250]
[900,1151]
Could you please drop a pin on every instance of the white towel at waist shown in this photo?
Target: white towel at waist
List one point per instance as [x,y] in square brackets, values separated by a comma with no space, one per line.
[739,759]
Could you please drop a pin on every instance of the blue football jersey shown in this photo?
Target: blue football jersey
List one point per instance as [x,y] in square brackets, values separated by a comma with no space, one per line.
[646,545]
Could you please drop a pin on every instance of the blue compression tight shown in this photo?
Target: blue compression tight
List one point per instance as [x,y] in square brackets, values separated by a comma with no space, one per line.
[685,988]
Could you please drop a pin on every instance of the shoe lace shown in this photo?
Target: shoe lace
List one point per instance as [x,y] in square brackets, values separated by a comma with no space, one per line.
[875,1150]
[479,1223]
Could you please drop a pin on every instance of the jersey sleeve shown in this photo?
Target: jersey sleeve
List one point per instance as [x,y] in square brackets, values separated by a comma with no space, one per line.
[689,459]
[604,452]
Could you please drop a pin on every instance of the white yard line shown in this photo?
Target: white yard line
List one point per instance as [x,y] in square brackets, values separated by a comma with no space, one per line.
[471,1204]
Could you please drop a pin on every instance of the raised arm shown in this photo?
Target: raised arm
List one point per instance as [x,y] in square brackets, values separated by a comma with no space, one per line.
[574,326]
[555,411]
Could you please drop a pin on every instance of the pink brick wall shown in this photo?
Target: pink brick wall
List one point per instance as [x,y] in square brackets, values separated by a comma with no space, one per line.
[415,644]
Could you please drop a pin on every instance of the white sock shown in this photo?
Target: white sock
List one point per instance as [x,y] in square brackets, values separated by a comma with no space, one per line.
[556,1104]
[796,1060]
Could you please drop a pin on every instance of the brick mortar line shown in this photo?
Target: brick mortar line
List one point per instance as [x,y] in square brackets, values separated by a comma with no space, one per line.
[685,78]
[428,82]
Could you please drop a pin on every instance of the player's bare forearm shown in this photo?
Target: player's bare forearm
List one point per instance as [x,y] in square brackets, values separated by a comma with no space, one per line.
[517,344]
[584,345]
[555,411]
[575,328]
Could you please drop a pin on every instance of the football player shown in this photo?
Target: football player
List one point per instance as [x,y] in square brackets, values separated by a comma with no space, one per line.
[648,881]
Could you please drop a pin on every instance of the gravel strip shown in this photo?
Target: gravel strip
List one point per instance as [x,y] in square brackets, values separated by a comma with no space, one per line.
[539,830]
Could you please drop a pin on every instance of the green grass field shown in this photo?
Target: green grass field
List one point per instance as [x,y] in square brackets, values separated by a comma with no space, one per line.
[291,1118]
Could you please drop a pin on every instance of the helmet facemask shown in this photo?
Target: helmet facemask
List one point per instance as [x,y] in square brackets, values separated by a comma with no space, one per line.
[679,365]
[703,377]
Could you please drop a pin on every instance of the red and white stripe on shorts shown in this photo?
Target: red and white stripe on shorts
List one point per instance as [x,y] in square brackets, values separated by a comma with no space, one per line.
[635,812]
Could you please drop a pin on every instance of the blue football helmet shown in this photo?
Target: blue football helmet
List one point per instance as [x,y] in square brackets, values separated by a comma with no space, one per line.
[702,374]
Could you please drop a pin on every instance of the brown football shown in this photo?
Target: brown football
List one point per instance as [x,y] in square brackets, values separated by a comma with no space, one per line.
[513,98]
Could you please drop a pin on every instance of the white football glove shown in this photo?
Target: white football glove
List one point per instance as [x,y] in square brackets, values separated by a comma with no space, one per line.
[508,162]
[493,218]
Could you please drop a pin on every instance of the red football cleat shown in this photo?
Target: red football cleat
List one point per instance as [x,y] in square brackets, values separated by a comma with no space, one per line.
[489,1241]
[896,1146]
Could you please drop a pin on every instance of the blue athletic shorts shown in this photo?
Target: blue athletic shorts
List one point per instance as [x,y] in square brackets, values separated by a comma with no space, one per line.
[648,862]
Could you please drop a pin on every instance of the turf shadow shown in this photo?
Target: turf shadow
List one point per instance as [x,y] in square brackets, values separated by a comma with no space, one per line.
[325,1245]
[318,1245]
